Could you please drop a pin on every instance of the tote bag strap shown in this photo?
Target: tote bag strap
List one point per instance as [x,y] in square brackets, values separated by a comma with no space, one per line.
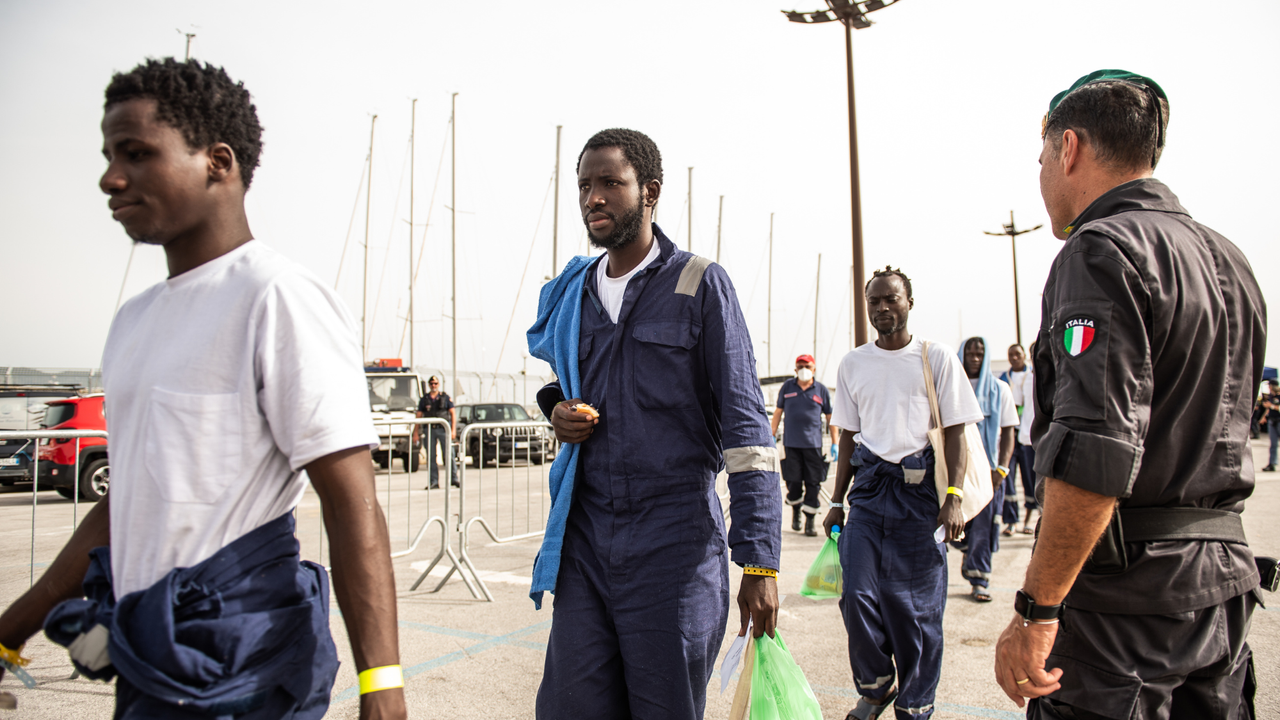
[928,386]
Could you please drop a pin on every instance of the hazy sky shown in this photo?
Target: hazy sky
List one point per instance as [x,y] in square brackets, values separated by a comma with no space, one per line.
[950,96]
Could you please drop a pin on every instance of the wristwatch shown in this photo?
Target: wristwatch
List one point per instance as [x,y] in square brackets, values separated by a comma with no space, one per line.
[1031,612]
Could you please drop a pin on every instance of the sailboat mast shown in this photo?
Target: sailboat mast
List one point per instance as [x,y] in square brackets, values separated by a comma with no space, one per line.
[413,125]
[364,286]
[453,231]
[555,212]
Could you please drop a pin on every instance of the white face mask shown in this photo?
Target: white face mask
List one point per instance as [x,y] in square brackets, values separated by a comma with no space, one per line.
[804,374]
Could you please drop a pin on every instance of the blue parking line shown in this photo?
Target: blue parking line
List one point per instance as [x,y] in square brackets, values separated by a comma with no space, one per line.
[487,642]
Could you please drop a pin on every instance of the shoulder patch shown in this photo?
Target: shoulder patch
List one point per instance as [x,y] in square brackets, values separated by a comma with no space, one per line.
[1077,334]
[691,276]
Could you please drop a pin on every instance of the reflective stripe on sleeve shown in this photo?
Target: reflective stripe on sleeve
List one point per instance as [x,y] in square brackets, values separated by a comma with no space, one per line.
[746,459]
[691,275]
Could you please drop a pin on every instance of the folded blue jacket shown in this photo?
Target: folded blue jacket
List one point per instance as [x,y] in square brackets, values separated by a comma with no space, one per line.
[223,637]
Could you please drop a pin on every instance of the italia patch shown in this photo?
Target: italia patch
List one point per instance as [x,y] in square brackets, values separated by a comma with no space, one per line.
[1078,335]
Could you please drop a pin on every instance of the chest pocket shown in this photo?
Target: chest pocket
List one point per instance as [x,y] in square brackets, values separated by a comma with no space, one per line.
[193,445]
[665,364]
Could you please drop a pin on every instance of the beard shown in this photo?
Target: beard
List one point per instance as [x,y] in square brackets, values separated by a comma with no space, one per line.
[625,229]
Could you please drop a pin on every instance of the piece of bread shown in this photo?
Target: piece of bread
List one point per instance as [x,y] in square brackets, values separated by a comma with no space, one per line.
[586,409]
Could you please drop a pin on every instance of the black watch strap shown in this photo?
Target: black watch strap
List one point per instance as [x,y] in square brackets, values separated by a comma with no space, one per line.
[1026,606]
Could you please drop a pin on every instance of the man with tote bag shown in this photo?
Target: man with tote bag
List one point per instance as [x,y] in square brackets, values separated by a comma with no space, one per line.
[892,548]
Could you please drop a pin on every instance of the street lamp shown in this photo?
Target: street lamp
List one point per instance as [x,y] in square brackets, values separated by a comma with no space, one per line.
[1013,232]
[853,15]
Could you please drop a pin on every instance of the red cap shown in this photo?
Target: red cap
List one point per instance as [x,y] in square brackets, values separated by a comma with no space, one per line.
[805,359]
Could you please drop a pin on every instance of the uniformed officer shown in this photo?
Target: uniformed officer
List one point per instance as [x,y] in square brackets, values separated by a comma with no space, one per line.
[1150,345]
[653,340]
[805,402]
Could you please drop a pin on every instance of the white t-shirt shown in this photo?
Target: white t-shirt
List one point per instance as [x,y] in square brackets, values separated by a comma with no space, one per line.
[612,290]
[880,395]
[1021,382]
[221,383]
[1024,426]
[1008,412]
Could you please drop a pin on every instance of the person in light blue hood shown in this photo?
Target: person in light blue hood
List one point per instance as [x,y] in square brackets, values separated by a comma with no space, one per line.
[653,340]
[997,427]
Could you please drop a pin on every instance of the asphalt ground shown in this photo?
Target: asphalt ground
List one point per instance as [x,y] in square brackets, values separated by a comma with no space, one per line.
[466,657]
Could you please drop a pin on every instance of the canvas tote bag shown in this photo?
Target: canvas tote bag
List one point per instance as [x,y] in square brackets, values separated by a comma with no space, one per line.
[978,491]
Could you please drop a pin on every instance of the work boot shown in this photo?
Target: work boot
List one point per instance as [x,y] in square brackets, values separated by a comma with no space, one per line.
[795,518]
[809,529]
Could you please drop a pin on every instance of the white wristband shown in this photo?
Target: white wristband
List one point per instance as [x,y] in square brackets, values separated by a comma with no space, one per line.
[836,505]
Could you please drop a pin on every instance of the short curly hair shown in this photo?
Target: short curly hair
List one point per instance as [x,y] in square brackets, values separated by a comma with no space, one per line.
[887,272]
[639,150]
[200,101]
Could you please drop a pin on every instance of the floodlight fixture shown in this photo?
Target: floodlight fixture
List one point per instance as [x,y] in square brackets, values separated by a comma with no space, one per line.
[853,15]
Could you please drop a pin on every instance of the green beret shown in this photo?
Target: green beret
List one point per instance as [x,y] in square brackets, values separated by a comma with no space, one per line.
[1105,76]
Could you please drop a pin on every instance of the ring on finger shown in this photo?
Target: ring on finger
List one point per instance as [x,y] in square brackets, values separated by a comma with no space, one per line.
[1023,681]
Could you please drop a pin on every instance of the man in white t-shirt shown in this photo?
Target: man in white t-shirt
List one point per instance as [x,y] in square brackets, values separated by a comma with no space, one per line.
[224,383]
[997,428]
[895,569]
[1022,381]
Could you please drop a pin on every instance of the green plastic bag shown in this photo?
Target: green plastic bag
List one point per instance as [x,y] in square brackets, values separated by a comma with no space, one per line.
[825,579]
[779,690]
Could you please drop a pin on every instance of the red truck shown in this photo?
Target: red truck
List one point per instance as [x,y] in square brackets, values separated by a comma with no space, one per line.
[58,457]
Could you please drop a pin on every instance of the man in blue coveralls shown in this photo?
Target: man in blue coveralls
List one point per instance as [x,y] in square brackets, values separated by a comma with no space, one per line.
[997,427]
[895,567]
[664,395]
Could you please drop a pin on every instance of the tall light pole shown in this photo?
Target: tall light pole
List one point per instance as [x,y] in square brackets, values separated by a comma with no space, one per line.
[1013,232]
[853,15]
[768,333]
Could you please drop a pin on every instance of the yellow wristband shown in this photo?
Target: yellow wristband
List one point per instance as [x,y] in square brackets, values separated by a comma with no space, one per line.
[956,491]
[14,656]
[381,678]
[760,571]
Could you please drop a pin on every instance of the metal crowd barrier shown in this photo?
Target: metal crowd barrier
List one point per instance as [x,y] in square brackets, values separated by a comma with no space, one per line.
[528,440]
[37,435]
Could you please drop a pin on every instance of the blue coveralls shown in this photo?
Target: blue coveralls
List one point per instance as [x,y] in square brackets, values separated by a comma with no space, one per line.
[642,595]
[244,633]
[895,581]
[982,533]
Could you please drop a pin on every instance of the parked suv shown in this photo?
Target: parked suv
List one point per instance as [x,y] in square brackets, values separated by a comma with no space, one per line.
[504,444]
[22,408]
[58,456]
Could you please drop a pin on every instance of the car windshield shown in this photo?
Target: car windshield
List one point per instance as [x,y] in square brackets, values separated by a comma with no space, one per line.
[58,414]
[498,413]
[395,392]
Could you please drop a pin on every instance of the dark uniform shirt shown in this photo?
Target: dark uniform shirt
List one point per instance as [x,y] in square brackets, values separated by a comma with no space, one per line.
[1151,343]
[1272,416]
[436,408]
[804,410]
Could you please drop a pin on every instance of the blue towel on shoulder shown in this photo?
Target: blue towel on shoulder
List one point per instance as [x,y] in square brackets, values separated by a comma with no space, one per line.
[554,338]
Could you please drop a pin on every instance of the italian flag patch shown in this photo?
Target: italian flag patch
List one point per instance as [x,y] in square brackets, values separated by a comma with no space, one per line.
[1078,335]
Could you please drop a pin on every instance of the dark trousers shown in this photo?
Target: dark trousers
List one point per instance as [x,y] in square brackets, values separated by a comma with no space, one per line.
[803,470]
[637,624]
[439,437]
[1024,457]
[1273,428]
[981,541]
[1185,666]
[895,582]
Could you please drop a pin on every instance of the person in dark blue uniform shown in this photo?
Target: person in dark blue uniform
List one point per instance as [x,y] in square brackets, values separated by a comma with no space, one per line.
[1151,344]
[650,346]
[894,562]
[805,401]
[997,428]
